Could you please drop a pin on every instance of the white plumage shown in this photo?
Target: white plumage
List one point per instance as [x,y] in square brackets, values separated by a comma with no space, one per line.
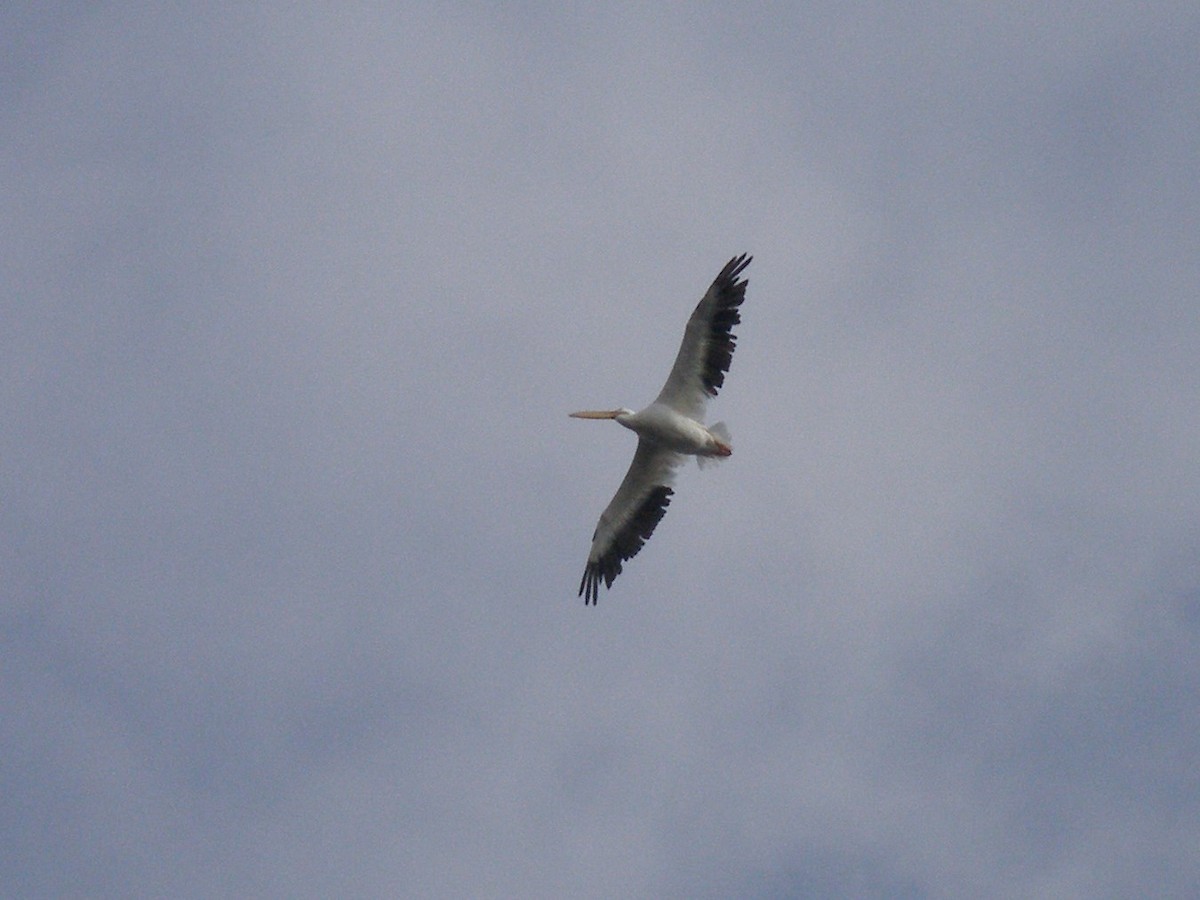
[669,429]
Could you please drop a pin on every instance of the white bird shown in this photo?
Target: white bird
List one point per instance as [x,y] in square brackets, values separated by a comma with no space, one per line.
[669,429]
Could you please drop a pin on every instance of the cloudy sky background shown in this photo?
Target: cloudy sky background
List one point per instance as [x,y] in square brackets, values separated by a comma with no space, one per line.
[296,300]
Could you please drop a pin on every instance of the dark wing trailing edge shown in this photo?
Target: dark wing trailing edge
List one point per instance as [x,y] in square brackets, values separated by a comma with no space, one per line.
[630,518]
[625,544]
[708,343]
[727,294]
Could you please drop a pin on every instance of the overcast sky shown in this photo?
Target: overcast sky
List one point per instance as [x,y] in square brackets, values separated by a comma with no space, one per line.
[292,518]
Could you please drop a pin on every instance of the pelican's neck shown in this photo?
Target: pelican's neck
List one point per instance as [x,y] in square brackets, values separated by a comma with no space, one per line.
[626,417]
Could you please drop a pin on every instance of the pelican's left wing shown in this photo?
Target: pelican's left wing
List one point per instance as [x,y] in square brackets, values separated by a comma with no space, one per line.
[631,517]
[708,344]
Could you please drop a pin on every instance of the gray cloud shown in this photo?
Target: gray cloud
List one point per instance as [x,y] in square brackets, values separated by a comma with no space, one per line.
[292,514]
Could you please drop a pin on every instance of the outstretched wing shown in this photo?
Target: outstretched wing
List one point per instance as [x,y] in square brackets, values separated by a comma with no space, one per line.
[630,518]
[708,344]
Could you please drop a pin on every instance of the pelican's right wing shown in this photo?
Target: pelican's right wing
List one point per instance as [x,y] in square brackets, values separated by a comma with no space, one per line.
[630,517]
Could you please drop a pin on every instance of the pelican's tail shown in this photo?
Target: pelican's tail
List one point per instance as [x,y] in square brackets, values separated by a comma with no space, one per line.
[721,432]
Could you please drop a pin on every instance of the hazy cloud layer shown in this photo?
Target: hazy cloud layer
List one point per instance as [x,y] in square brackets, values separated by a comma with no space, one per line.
[293,518]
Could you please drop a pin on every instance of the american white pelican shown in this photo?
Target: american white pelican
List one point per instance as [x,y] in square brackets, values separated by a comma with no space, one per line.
[668,429]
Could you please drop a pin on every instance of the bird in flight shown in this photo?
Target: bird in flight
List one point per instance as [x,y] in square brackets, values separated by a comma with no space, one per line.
[669,429]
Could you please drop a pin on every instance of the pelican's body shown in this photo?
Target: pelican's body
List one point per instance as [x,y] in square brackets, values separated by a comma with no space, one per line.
[669,429]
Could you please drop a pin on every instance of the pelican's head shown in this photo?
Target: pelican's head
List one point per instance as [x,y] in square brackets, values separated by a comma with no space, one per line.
[602,413]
